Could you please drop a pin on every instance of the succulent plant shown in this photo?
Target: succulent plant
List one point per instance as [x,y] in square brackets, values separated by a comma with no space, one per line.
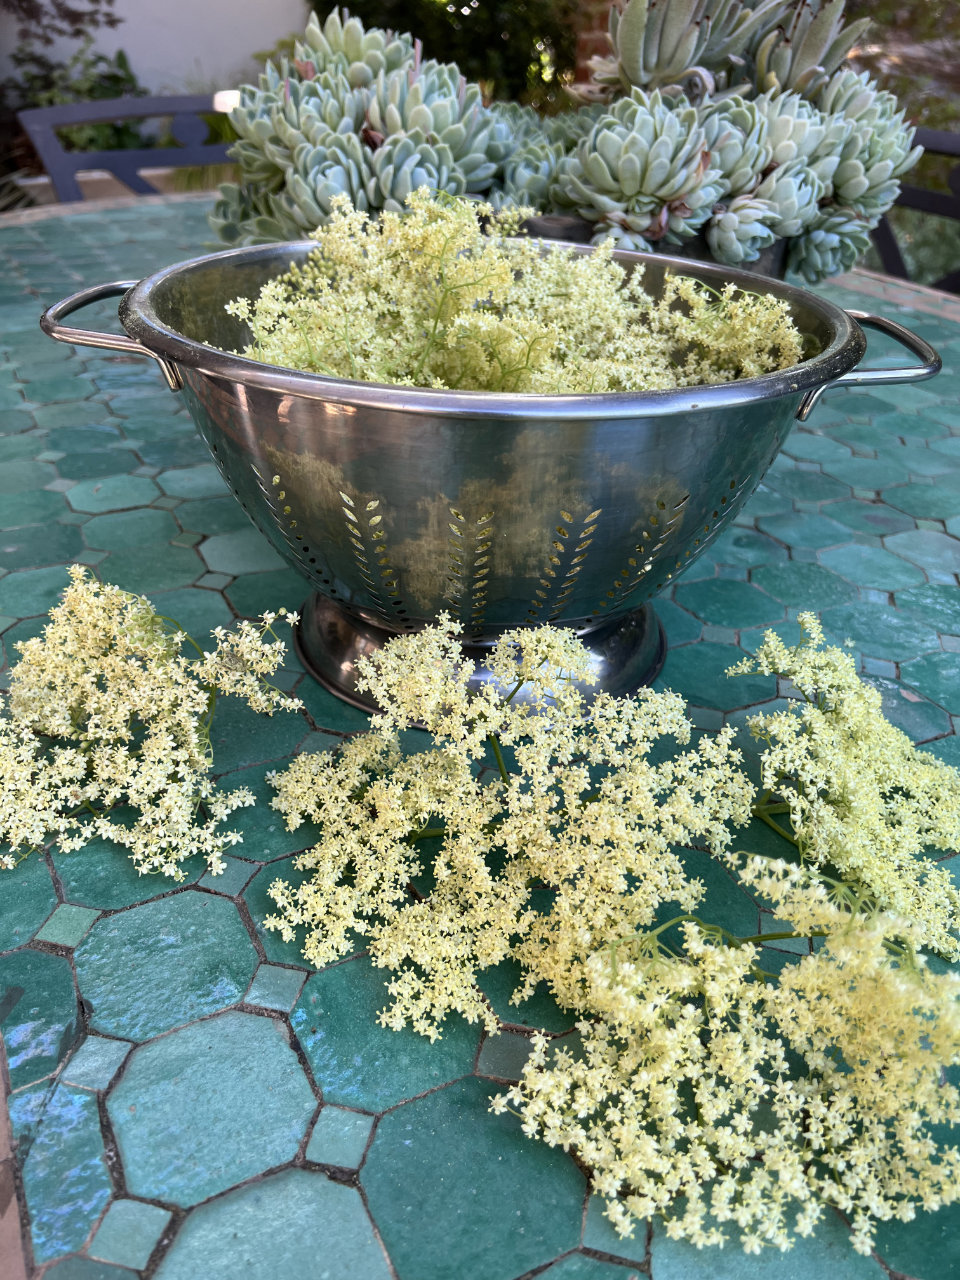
[729,120]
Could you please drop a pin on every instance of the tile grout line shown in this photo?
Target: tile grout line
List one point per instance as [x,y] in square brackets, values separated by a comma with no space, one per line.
[14,1264]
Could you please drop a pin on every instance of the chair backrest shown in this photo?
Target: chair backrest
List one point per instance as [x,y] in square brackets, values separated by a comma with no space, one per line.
[939,142]
[187,126]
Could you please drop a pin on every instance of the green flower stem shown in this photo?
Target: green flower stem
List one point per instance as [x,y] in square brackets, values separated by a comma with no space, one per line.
[498,756]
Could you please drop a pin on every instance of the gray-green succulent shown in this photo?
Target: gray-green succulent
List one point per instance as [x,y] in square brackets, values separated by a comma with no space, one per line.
[732,121]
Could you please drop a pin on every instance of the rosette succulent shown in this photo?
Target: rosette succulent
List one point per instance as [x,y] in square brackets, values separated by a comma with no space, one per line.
[734,124]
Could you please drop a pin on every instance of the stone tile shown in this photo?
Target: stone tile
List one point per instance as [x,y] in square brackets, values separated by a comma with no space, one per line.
[261,905]
[157,966]
[240,736]
[359,1063]
[935,604]
[243,551]
[183,449]
[195,611]
[30,592]
[932,502]
[871,567]
[910,711]
[580,1266]
[101,875]
[310,1219]
[916,459]
[866,473]
[504,1055]
[879,630]
[880,667]
[122,529]
[67,925]
[213,515]
[928,549]
[155,567]
[805,529]
[27,897]
[764,502]
[680,626]
[339,1138]
[598,1233]
[98,464]
[937,677]
[203,481]
[65,1178]
[803,586]
[827,1253]
[728,603]
[31,507]
[869,517]
[209,1106]
[35,545]
[807,446]
[38,1013]
[806,486]
[698,674]
[539,1010]
[115,493]
[275,987]
[94,1064]
[25,474]
[129,1233]
[522,1200]
[745,547]
[329,710]
[213,581]
[231,879]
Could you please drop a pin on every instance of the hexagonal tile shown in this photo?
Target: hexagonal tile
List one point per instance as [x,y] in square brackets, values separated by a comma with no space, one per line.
[445,1160]
[924,501]
[803,586]
[38,1013]
[26,899]
[879,630]
[869,517]
[40,544]
[805,529]
[728,603]
[871,567]
[32,591]
[919,719]
[115,493]
[930,550]
[208,1107]
[203,481]
[128,1233]
[122,529]
[243,551]
[937,604]
[317,1228]
[159,965]
[28,507]
[806,486]
[101,875]
[937,677]
[357,1062]
[698,673]
[155,567]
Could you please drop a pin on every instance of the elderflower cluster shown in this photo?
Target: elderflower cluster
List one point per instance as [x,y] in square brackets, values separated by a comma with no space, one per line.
[430,299]
[859,795]
[546,828]
[105,717]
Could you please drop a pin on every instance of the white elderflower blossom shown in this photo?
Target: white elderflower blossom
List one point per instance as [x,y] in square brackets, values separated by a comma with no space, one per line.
[428,299]
[104,714]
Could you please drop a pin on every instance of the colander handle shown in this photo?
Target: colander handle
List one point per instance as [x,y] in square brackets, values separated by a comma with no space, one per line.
[50,323]
[872,377]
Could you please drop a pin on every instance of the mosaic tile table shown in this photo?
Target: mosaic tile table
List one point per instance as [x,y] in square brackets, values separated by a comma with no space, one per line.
[186,1100]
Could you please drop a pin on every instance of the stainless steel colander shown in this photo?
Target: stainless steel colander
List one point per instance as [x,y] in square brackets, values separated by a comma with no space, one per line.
[504,510]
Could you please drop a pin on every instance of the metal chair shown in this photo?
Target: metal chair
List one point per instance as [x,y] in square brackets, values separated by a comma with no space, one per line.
[186,125]
[940,142]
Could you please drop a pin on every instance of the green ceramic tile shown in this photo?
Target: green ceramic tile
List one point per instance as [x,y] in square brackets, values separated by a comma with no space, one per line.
[213,515]
[930,501]
[928,548]
[869,517]
[34,506]
[865,473]
[871,567]
[455,1190]
[744,547]
[313,1223]
[129,1233]
[91,465]
[803,586]
[814,448]
[72,414]
[680,626]
[806,486]
[209,1106]
[26,899]
[33,546]
[51,389]
[275,987]
[253,594]
[598,1233]
[917,459]
[115,493]
[937,677]
[858,404]
[805,529]
[946,749]
[339,1137]
[67,925]
[24,474]
[123,529]
[21,631]
[723,899]
[244,551]
[38,1013]
[879,630]
[580,1266]
[203,481]
[728,603]
[214,581]
[698,674]
[948,445]
[102,875]
[94,1064]
[183,449]
[359,1063]
[240,736]
[828,1253]
[157,567]
[22,446]
[65,1179]
[764,502]
[911,712]
[330,711]
[859,434]
[156,966]
[261,905]
[936,604]
[539,1010]
[78,1268]
[264,829]
[504,1055]
[194,610]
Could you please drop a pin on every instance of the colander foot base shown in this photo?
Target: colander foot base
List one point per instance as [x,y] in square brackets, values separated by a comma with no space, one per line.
[627,652]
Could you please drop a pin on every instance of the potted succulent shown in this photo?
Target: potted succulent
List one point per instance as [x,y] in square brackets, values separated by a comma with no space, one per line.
[727,134]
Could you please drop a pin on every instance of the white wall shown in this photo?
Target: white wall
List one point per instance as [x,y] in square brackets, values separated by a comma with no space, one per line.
[186,46]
